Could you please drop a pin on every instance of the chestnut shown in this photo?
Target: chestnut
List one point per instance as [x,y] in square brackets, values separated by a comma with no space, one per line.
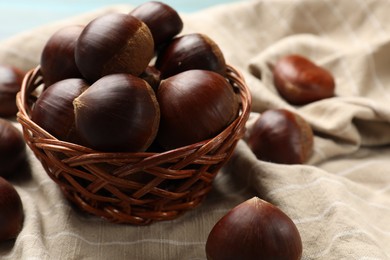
[11,79]
[195,105]
[118,113]
[255,229]
[152,76]
[11,211]
[281,136]
[163,21]
[12,149]
[114,43]
[300,81]
[57,57]
[54,112]
[190,51]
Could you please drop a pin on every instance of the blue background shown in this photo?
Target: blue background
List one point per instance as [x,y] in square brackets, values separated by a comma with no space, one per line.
[21,15]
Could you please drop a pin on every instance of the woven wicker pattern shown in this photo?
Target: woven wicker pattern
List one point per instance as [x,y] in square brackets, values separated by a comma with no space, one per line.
[134,188]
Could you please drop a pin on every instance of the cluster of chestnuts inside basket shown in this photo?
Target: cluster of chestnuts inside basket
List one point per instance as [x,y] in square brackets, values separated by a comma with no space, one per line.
[128,82]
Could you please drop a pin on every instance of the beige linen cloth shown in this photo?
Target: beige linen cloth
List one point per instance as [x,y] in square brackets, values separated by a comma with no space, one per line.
[339,200]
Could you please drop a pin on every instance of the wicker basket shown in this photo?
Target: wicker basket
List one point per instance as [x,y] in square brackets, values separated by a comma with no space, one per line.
[134,188]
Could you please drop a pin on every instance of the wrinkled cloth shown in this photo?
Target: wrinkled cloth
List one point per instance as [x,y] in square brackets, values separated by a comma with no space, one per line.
[339,200]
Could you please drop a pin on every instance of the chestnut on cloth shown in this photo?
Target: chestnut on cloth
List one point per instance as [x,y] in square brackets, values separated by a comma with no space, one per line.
[339,200]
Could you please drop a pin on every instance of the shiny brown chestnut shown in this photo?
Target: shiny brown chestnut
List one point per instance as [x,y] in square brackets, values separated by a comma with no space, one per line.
[118,113]
[114,43]
[300,81]
[255,229]
[190,51]
[11,79]
[54,112]
[11,211]
[281,136]
[195,105]
[163,21]
[57,57]
[12,149]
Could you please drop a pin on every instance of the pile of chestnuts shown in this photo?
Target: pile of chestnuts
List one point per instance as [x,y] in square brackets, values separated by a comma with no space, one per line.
[129,82]
[280,135]
[12,158]
[256,229]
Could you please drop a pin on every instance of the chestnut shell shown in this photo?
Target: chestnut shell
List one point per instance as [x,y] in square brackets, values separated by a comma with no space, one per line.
[114,43]
[54,112]
[190,51]
[11,79]
[57,58]
[281,136]
[195,105]
[300,81]
[152,76]
[118,113]
[11,211]
[163,21]
[253,230]
[12,149]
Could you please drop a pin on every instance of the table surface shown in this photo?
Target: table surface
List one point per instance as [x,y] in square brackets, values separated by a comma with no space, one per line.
[20,15]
